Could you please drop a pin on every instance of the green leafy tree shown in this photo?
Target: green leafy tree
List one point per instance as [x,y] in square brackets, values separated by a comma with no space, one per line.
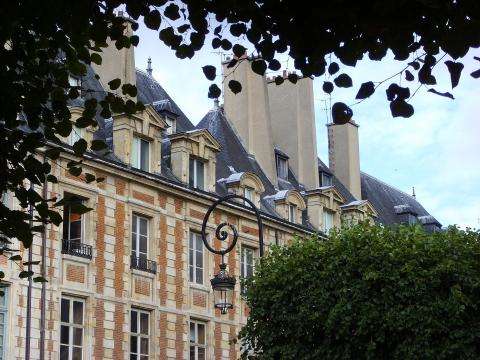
[43,42]
[367,292]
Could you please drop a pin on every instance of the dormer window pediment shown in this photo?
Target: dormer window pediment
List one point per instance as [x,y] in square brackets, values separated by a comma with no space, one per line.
[289,204]
[246,184]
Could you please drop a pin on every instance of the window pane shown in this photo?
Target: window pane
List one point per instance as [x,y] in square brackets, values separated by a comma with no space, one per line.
[133,344]
[144,155]
[199,276]
[65,310]
[143,357]
[192,332]
[78,312]
[192,352]
[63,352]
[201,333]
[144,346]
[144,226]
[77,353]
[135,146]
[143,244]
[191,181]
[198,242]
[64,334]
[199,259]
[191,273]
[133,357]
[134,244]
[144,323]
[133,321]
[201,353]
[77,336]
[200,175]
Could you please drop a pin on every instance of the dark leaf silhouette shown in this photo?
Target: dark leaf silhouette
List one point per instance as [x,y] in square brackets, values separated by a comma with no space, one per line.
[153,19]
[341,113]
[114,84]
[400,108]
[293,78]
[171,11]
[444,94]
[259,66]
[366,90]
[327,87]
[238,50]
[409,76]
[333,68]
[394,92]
[235,86]
[343,80]
[475,74]
[210,72]
[274,65]
[425,76]
[214,91]
[455,70]
[279,80]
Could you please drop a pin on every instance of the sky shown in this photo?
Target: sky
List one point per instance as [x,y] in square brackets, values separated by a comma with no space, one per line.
[437,150]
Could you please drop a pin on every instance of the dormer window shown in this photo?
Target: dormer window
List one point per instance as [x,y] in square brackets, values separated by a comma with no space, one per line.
[140,153]
[327,221]
[248,193]
[75,135]
[171,125]
[196,173]
[325,179]
[282,167]
[292,213]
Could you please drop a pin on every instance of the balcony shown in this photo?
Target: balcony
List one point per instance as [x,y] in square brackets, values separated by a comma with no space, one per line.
[76,248]
[143,264]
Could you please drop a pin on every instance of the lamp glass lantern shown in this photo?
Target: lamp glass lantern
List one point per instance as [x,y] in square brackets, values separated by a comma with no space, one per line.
[223,286]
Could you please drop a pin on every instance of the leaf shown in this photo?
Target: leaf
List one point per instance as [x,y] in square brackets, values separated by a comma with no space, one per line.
[455,70]
[238,29]
[25,274]
[226,44]
[341,113]
[414,64]
[96,58]
[182,28]
[394,91]
[39,279]
[26,263]
[400,108]
[293,78]
[52,153]
[327,87]
[89,178]
[238,50]
[366,90]
[210,72]
[279,80]
[444,94]
[16,258]
[52,178]
[425,76]
[409,76]
[171,11]
[259,66]
[114,84]
[80,147]
[216,43]
[98,145]
[343,81]
[75,171]
[129,89]
[214,92]
[475,74]
[235,86]
[232,63]
[274,65]
[153,19]
[333,68]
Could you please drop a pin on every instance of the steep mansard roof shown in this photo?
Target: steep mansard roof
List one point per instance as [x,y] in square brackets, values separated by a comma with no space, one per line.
[234,158]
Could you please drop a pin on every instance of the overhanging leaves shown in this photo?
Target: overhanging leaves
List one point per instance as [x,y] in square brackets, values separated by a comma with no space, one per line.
[366,90]
[235,86]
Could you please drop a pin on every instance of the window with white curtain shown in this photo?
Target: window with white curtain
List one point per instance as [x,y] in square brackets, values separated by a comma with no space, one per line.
[327,221]
[140,154]
[139,236]
[195,258]
[292,213]
[196,173]
[247,263]
[72,322]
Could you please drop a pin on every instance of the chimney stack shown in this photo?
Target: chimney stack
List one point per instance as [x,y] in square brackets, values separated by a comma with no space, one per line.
[343,155]
[249,113]
[293,118]
[117,64]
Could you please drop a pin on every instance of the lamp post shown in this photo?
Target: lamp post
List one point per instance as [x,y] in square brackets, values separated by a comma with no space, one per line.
[222,283]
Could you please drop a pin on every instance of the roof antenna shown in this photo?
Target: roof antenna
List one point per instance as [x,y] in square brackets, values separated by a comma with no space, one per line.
[413,192]
[149,66]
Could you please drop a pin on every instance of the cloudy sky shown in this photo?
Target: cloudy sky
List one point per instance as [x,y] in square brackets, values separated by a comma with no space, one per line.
[437,150]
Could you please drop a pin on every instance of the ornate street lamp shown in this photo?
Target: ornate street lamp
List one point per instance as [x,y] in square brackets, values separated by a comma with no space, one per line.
[223,285]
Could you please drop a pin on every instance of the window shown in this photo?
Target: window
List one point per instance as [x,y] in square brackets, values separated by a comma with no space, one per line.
[139,236]
[195,258]
[71,328]
[3,321]
[247,263]
[327,221]
[248,194]
[171,125]
[198,346]
[325,179]
[75,135]
[72,220]
[292,213]
[140,154]
[139,334]
[282,167]
[74,81]
[196,173]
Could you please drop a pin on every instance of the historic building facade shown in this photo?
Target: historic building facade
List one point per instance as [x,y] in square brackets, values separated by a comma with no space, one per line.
[131,278]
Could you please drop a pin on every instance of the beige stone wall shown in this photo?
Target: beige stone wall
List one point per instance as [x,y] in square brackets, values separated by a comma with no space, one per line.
[343,156]
[110,287]
[293,127]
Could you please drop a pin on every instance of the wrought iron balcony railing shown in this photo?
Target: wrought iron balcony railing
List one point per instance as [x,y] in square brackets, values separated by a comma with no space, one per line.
[76,248]
[143,264]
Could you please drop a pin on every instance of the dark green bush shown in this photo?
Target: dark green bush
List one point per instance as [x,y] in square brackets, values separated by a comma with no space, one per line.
[368,292]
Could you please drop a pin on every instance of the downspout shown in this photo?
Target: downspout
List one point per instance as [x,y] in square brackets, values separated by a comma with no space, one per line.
[43,272]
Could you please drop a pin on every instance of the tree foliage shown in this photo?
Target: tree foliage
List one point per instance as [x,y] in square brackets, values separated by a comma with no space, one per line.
[43,42]
[368,292]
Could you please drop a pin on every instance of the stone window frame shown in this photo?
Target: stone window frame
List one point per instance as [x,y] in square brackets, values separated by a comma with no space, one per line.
[138,333]
[196,160]
[139,138]
[205,264]
[245,246]
[195,344]
[282,173]
[71,325]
